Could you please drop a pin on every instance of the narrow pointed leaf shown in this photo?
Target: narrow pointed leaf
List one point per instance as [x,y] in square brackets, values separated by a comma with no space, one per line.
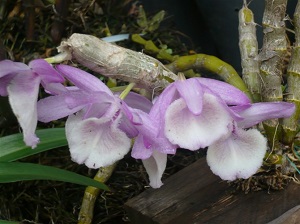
[8,222]
[15,171]
[12,147]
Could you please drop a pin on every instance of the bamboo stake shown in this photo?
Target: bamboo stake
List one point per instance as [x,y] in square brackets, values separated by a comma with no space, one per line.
[273,52]
[249,52]
[290,125]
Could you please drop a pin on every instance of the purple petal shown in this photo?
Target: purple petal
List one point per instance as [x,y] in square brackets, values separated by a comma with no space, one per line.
[55,107]
[4,81]
[161,105]
[155,167]
[147,127]
[191,91]
[139,150]
[138,101]
[47,73]
[69,102]
[127,127]
[55,88]
[23,93]
[149,140]
[96,142]
[193,132]
[9,67]
[238,156]
[259,112]
[130,113]
[230,94]
[82,79]
[98,104]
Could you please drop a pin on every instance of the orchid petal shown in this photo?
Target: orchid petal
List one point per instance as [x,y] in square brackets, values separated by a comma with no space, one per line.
[193,132]
[9,67]
[82,79]
[55,88]
[4,81]
[127,111]
[163,145]
[161,105]
[230,94]
[163,101]
[190,90]
[127,127]
[155,167]
[55,107]
[102,109]
[139,150]
[259,112]
[238,156]
[149,136]
[47,73]
[23,93]
[79,97]
[138,101]
[96,142]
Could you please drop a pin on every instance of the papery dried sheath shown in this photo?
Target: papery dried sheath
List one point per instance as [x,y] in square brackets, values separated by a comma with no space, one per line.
[117,62]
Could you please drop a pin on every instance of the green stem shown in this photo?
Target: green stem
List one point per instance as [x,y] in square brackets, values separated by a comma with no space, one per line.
[151,48]
[126,91]
[91,193]
[59,58]
[160,53]
[212,64]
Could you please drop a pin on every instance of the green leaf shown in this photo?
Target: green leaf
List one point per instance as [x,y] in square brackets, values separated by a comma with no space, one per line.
[8,222]
[13,148]
[15,171]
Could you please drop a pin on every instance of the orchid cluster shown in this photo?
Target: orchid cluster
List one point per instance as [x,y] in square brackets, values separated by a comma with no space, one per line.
[192,114]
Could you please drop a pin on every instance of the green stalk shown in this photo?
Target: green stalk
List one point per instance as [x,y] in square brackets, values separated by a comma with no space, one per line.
[126,91]
[91,193]
[293,83]
[152,48]
[212,64]
[249,52]
[273,52]
[163,54]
